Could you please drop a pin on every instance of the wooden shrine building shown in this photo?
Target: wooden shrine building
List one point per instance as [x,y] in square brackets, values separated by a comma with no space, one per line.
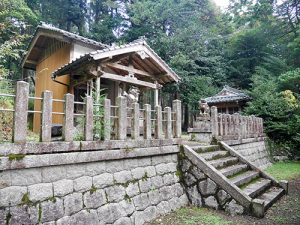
[68,63]
[229,100]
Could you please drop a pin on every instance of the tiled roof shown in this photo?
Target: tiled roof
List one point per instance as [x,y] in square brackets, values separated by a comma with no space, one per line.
[231,95]
[111,48]
[77,37]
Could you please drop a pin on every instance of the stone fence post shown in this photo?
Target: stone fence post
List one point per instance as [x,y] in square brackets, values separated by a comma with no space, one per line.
[122,118]
[88,125]
[106,120]
[147,121]
[168,126]
[68,127]
[178,122]
[21,112]
[214,121]
[135,121]
[46,123]
[158,122]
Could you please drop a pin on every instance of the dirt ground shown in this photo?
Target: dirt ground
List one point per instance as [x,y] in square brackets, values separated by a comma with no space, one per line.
[285,211]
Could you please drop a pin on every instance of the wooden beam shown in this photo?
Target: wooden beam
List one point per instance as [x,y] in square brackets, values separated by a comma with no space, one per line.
[128,69]
[128,80]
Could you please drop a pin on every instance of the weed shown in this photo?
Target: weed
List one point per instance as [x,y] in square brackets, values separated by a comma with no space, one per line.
[93,189]
[16,157]
[25,199]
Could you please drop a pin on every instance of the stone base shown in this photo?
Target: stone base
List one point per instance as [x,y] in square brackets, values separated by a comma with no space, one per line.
[196,134]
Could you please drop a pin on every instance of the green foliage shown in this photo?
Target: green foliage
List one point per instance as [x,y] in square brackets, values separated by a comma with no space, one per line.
[284,170]
[290,81]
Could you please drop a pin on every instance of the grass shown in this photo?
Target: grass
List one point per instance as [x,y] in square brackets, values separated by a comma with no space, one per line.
[195,216]
[284,170]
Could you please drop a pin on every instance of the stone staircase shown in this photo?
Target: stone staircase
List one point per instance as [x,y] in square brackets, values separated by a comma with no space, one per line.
[247,184]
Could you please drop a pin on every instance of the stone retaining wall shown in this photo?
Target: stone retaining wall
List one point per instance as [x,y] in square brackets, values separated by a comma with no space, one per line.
[129,186]
[254,150]
[203,192]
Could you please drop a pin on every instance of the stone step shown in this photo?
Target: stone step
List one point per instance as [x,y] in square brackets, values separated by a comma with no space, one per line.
[214,155]
[232,170]
[271,196]
[221,163]
[205,148]
[244,178]
[255,189]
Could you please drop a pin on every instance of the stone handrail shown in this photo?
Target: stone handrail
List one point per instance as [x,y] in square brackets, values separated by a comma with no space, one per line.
[167,122]
[235,126]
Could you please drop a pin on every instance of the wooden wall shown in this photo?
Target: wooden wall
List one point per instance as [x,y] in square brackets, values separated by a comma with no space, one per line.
[43,82]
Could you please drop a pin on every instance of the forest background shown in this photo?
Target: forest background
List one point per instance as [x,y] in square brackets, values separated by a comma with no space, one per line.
[253,45]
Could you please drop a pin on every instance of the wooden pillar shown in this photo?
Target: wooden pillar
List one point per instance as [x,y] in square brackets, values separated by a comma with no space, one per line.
[98,80]
[156,97]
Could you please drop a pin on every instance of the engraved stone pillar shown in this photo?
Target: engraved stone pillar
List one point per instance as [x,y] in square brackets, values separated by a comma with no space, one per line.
[147,121]
[68,126]
[21,112]
[135,122]
[177,111]
[168,129]
[122,118]
[214,121]
[88,125]
[106,120]
[226,124]
[46,118]
[158,122]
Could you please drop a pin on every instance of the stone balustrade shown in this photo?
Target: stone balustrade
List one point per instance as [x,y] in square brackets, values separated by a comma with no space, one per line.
[235,126]
[156,123]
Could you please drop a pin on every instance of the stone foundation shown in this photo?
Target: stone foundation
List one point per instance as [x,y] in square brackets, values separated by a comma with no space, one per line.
[130,186]
[254,150]
[203,192]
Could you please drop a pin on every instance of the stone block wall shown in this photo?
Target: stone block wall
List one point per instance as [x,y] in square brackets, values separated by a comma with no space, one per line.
[203,192]
[135,187]
[254,150]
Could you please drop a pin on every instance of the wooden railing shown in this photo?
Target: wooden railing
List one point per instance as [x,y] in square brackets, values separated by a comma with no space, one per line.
[235,126]
[119,122]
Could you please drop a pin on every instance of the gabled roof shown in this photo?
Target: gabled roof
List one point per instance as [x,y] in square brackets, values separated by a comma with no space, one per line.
[228,94]
[137,46]
[47,30]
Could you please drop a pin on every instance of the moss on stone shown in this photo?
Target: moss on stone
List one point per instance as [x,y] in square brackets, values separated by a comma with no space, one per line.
[127,149]
[145,177]
[193,137]
[93,189]
[40,213]
[127,198]
[52,199]
[25,199]
[16,157]
[8,217]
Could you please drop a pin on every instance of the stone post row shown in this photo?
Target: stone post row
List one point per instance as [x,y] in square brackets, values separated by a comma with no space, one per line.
[106,120]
